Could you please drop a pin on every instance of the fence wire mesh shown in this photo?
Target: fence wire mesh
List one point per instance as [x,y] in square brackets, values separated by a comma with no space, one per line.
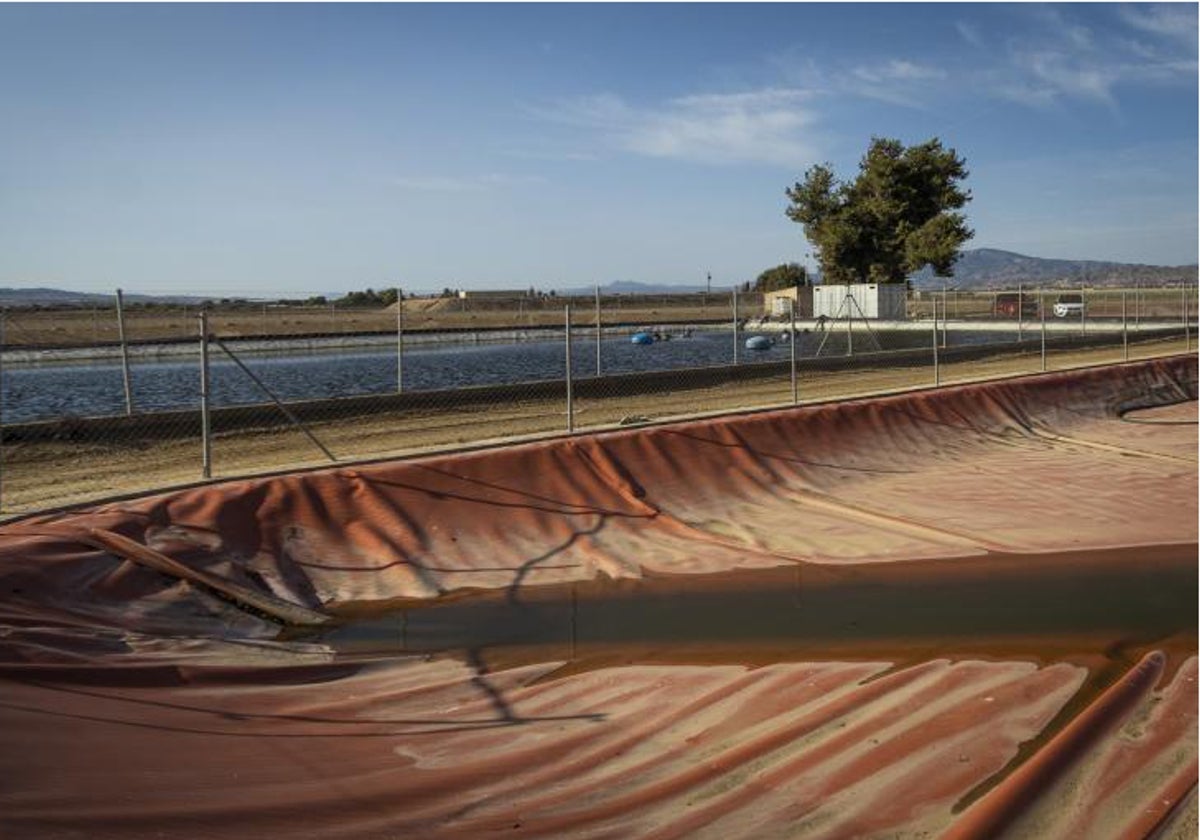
[300,386]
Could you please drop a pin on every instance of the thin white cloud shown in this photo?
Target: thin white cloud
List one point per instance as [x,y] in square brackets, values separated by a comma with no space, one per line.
[1080,37]
[898,71]
[1063,74]
[1045,58]
[969,33]
[1029,95]
[1141,49]
[769,126]
[1171,20]
[915,72]
[897,82]
[894,81]
[1049,60]
[1069,62]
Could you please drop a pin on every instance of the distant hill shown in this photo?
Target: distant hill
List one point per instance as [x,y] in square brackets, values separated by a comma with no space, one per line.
[982,268]
[979,268]
[40,296]
[62,297]
[48,297]
[632,287]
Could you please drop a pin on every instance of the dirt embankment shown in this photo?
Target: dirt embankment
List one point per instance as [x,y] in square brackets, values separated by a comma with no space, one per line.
[82,327]
[92,465]
[98,325]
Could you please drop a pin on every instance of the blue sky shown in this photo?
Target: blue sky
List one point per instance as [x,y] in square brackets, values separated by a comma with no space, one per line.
[284,150]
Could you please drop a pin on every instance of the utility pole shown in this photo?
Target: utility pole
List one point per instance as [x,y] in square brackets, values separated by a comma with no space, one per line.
[205,399]
[399,340]
[599,329]
[124,353]
[735,326]
[570,392]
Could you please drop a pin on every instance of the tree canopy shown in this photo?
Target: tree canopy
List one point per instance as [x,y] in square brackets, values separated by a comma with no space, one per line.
[384,297]
[781,277]
[898,216]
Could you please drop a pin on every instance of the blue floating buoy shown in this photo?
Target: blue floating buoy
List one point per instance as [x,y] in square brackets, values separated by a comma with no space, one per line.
[758,342]
[642,338]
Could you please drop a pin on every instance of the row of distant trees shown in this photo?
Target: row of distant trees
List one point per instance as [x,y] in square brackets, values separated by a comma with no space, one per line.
[365,298]
[779,277]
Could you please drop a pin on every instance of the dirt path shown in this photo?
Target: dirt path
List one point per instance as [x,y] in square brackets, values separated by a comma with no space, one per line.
[50,475]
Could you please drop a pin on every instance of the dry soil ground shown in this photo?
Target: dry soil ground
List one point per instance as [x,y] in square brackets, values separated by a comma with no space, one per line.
[92,325]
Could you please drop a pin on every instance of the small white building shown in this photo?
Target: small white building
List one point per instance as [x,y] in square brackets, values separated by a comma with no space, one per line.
[880,301]
[779,303]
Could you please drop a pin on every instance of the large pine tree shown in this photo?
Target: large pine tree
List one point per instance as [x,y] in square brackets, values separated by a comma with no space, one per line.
[898,216]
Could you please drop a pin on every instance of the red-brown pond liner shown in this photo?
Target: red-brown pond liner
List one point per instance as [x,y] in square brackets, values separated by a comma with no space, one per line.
[968,612]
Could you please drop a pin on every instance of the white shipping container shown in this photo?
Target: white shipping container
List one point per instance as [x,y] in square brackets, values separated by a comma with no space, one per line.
[882,301]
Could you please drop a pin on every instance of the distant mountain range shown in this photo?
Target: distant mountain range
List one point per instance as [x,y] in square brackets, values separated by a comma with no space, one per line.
[61,297]
[979,268]
[632,287]
[982,268]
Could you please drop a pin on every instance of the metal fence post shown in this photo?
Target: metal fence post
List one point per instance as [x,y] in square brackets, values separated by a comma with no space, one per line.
[1187,327]
[1082,312]
[937,373]
[792,342]
[1124,327]
[849,323]
[2,472]
[599,330]
[735,326]
[124,353]
[205,408]
[945,312]
[1042,310]
[399,340]
[1137,306]
[570,395]
[1020,312]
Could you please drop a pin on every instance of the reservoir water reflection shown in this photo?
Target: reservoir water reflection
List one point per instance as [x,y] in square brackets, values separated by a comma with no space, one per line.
[50,391]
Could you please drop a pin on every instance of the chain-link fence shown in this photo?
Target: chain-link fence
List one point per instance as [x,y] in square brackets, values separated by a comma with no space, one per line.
[100,402]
